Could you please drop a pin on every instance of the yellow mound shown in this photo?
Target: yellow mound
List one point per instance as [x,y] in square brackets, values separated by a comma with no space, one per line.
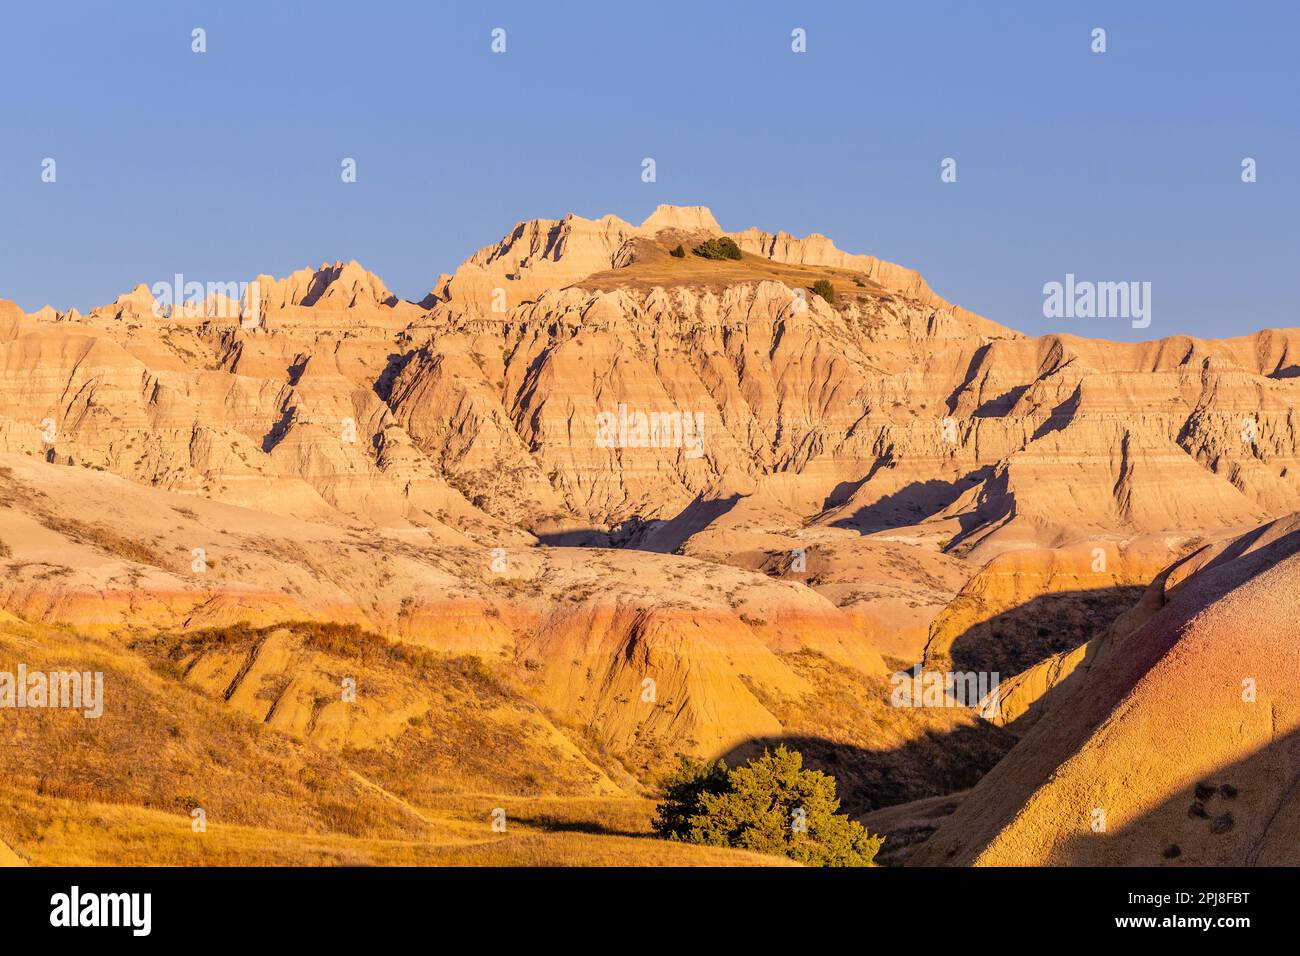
[1181,745]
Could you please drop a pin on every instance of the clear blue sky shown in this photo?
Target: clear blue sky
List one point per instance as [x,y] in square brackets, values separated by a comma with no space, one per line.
[1120,166]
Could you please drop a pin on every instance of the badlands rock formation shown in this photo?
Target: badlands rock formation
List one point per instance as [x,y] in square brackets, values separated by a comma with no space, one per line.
[1182,727]
[676,504]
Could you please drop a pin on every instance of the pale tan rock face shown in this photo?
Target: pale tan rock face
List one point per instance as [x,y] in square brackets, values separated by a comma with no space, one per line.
[537,255]
[682,218]
[888,409]
[761,477]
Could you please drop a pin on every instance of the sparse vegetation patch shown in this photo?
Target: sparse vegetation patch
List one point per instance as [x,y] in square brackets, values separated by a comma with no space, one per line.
[723,247]
[770,805]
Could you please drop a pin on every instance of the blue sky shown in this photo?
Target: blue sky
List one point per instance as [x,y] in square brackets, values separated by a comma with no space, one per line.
[1115,167]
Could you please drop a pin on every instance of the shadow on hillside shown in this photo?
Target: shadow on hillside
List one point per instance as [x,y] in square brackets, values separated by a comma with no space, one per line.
[911,504]
[933,764]
[1233,816]
[575,538]
[393,367]
[278,430]
[843,491]
[552,824]
[1061,415]
[1020,637]
[1267,782]
[1272,552]
[661,537]
[668,536]
[1218,577]
[972,371]
[1001,406]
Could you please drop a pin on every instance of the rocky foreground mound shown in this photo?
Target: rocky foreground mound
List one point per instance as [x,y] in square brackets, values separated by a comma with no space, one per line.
[1175,739]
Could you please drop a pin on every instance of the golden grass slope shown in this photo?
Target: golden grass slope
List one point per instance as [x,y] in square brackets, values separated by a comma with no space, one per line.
[121,789]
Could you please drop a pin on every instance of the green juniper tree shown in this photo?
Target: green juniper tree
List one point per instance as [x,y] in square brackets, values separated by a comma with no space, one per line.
[823,288]
[770,805]
[722,248]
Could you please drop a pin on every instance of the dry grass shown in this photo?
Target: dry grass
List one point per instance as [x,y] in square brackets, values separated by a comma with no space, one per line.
[468,729]
[48,832]
[104,539]
[162,746]
[119,789]
[97,536]
[655,267]
[348,641]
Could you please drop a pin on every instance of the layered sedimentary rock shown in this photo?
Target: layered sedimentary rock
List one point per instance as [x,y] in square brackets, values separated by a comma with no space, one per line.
[754,471]
[887,409]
